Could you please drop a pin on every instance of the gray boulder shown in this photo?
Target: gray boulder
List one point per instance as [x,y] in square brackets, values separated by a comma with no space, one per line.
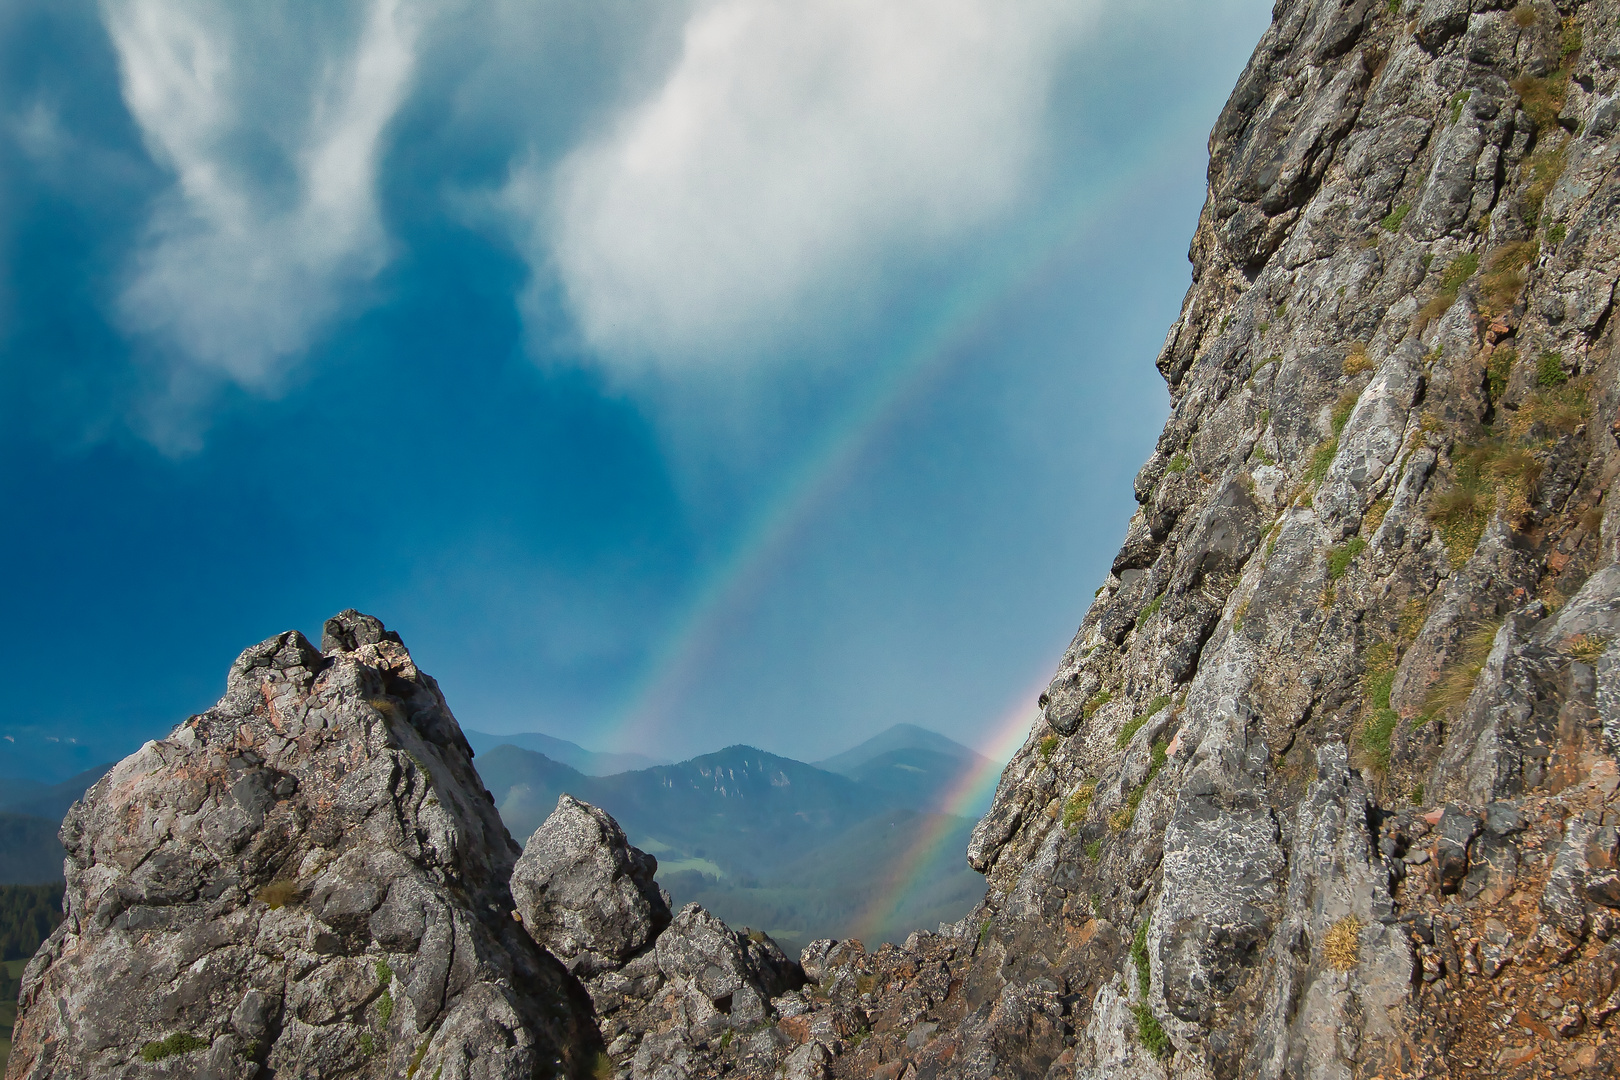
[586,894]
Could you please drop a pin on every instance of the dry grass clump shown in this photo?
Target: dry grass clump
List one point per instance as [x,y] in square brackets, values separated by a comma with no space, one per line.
[1587,648]
[1486,476]
[1459,516]
[1459,271]
[1341,945]
[1543,99]
[1452,689]
[1078,805]
[1504,277]
[1356,360]
[1558,409]
[278,894]
[1374,516]
[1546,166]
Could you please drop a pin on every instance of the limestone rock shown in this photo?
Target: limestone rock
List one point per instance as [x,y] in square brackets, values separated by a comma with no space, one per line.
[306,880]
[586,894]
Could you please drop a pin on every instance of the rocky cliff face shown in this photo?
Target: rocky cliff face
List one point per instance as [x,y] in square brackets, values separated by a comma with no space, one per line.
[1326,783]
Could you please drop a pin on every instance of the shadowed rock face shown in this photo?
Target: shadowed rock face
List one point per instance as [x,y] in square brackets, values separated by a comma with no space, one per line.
[308,880]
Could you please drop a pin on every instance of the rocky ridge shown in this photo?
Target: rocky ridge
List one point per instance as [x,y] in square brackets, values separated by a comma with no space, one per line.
[306,880]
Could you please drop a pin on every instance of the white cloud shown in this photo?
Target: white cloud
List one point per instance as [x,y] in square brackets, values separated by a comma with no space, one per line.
[795,149]
[272,123]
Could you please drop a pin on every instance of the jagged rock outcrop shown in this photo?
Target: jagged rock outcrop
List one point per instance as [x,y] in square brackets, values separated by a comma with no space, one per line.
[306,880]
[671,995]
[1326,783]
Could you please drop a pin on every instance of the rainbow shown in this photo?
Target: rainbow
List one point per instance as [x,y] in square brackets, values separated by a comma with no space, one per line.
[742,572]
[1007,733]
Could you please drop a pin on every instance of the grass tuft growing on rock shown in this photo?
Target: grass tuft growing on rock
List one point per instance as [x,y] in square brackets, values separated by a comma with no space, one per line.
[1321,458]
[1149,609]
[1452,279]
[1374,516]
[1497,369]
[278,894]
[1341,945]
[1545,167]
[1048,744]
[1550,371]
[1392,223]
[1356,359]
[1095,702]
[1121,818]
[1458,100]
[1178,463]
[416,1058]
[1139,956]
[1542,99]
[181,1042]
[1078,805]
[1094,853]
[1455,685]
[1149,1032]
[1152,709]
[1559,409]
[1342,555]
[1587,648]
[1504,276]
[1377,727]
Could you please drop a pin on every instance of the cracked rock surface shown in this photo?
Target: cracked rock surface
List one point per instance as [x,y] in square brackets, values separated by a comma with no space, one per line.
[307,880]
[1325,785]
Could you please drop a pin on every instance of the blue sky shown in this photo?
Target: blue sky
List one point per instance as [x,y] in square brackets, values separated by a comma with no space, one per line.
[669,375]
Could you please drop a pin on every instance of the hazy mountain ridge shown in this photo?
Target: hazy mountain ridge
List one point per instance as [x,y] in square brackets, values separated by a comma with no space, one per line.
[575,756]
[735,830]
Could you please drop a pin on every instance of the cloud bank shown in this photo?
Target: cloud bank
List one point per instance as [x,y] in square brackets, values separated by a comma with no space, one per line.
[272,123]
[793,151]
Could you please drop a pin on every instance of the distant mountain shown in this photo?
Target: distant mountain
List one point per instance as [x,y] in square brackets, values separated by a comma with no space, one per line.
[30,854]
[928,780]
[923,768]
[589,762]
[771,842]
[48,800]
[740,809]
[898,737]
[30,815]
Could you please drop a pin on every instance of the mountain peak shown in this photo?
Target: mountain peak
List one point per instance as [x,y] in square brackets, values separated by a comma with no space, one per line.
[902,736]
